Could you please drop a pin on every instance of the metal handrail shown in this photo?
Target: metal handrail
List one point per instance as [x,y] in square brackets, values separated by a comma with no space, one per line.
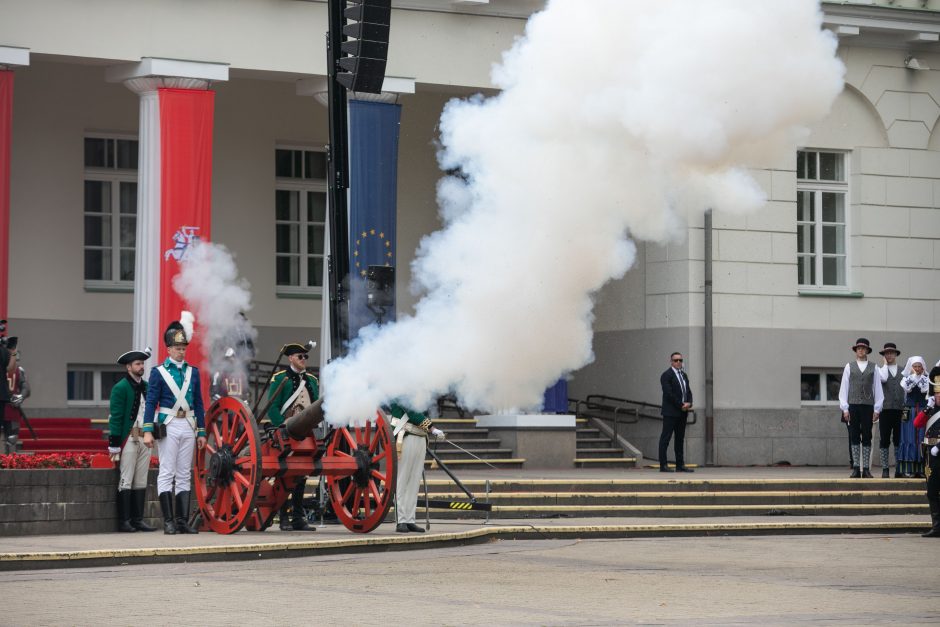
[615,406]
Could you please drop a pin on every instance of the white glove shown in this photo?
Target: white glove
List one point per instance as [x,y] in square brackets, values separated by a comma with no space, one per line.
[114,453]
[16,400]
[934,451]
[437,433]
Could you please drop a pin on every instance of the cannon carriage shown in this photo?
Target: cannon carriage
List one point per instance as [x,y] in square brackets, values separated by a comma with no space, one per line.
[245,473]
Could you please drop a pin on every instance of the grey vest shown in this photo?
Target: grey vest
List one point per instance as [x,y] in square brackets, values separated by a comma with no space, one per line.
[894,393]
[860,384]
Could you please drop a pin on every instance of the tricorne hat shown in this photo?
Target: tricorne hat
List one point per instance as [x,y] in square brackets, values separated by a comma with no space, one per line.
[132,356]
[295,348]
[889,346]
[12,342]
[862,342]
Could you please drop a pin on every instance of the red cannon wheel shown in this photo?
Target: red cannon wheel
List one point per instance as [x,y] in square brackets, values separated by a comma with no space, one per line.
[361,500]
[228,470]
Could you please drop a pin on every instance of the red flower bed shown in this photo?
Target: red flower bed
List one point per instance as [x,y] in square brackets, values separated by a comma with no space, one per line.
[46,460]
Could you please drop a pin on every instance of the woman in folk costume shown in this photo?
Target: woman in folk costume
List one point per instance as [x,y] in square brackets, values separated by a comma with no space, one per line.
[175,413]
[916,387]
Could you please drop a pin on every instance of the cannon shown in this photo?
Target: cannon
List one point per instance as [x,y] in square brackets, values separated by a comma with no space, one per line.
[245,474]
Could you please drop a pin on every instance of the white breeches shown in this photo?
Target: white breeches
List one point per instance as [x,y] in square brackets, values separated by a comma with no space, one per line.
[135,462]
[176,457]
[410,469]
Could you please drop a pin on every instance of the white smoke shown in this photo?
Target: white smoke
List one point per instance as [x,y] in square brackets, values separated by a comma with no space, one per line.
[617,120]
[208,281]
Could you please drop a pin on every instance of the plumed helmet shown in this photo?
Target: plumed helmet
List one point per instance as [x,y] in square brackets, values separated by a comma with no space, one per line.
[175,335]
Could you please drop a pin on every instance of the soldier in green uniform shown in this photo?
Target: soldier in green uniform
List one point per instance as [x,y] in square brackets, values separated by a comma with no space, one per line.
[411,429]
[126,441]
[299,390]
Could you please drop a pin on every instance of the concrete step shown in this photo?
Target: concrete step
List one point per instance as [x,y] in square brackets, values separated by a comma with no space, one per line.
[469,444]
[467,434]
[675,483]
[604,462]
[584,443]
[470,463]
[449,453]
[728,499]
[588,432]
[600,453]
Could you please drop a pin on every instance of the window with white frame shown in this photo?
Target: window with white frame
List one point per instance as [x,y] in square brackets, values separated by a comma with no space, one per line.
[110,207]
[90,384]
[300,201]
[821,209]
[820,386]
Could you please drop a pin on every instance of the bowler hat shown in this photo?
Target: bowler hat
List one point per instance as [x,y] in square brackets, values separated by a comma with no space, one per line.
[862,342]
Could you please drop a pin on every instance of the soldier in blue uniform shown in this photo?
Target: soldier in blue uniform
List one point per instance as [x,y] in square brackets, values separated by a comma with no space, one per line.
[175,412]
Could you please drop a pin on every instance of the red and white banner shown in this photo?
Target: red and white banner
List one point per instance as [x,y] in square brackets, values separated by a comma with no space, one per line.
[6,138]
[185,195]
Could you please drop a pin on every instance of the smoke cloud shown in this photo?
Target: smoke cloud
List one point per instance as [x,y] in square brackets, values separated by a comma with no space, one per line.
[617,120]
[208,281]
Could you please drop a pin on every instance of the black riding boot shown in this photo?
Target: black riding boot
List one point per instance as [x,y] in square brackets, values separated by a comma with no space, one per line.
[124,511]
[166,507]
[934,518]
[298,515]
[182,514]
[138,503]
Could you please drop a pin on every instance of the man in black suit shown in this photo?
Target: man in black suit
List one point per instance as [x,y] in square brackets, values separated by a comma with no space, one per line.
[677,402]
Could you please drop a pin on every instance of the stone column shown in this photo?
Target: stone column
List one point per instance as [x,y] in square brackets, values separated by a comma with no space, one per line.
[144,79]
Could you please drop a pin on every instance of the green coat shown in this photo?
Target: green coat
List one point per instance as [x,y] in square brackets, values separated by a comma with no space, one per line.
[274,412]
[416,418]
[121,418]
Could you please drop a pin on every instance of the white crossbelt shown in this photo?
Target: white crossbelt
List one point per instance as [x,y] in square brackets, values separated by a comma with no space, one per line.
[181,403]
[293,397]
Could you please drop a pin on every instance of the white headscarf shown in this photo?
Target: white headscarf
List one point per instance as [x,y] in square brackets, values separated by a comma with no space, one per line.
[908,369]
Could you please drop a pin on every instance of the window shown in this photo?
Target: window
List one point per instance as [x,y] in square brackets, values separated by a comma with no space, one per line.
[110,207]
[300,220]
[818,387]
[821,206]
[91,385]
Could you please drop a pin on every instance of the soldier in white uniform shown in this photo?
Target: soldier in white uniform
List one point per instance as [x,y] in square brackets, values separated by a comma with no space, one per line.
[175,413]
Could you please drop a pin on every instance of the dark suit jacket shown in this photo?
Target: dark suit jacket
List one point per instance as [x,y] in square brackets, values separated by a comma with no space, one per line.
[672,394]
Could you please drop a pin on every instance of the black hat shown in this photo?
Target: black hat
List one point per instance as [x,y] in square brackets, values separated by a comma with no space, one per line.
[12,341]
[295,349]
[132,356]
[862,342]
[889,346]
[175,335]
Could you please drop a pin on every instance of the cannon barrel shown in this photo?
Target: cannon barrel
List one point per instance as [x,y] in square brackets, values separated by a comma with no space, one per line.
[300,425]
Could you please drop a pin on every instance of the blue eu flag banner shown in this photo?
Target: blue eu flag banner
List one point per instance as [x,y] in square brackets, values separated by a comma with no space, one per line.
[373,191]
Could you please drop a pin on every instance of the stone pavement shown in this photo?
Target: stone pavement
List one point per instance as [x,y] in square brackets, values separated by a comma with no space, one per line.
[30,552]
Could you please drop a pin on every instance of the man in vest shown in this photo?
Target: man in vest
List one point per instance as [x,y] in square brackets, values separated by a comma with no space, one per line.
[929,420]
[411,430]
[126,441]
[175,413]
[889,422]
[860,399]
[293,389]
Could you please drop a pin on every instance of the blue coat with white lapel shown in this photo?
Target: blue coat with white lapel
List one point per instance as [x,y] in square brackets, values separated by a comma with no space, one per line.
[159,395]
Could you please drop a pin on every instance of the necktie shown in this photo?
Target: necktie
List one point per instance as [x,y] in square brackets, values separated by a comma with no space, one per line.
[681,384]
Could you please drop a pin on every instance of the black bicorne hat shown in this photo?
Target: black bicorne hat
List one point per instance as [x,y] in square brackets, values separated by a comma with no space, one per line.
[12,341]
[175,335]
[132,356]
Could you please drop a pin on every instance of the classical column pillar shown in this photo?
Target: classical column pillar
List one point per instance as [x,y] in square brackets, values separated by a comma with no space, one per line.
[10,58]
[149,79]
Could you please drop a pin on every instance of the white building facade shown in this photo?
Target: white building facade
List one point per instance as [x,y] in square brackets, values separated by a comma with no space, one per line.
[847,246]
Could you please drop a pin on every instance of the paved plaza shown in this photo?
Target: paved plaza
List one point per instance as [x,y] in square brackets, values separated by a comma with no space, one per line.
[782,580]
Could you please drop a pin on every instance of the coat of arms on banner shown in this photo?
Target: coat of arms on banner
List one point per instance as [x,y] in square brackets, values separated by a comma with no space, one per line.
[183,240]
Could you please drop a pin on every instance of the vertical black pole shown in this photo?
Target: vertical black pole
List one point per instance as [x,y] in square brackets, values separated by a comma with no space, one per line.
[339,183]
